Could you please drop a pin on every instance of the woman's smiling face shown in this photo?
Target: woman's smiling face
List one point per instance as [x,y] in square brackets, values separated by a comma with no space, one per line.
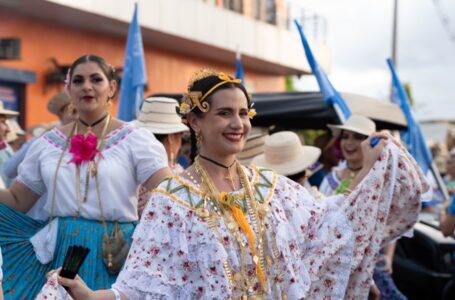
[226,125]
[350,145]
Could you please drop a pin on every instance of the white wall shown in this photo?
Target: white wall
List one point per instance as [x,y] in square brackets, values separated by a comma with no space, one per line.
[203,24]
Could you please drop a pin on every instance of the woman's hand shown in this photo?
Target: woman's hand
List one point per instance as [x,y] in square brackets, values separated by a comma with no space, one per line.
[76,288]
[371,154]
[375,293]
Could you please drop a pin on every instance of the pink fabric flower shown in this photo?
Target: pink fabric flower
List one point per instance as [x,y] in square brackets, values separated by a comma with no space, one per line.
[83,148]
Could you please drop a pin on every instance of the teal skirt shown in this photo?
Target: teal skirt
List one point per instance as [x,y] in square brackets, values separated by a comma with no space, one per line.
[24,275]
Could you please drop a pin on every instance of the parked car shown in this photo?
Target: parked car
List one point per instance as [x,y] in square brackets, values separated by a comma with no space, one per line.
[424,265]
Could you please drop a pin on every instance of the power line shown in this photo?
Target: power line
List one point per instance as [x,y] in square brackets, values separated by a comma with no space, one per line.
[445,20]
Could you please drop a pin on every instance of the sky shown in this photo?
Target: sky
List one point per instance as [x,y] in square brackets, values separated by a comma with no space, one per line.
[359,36]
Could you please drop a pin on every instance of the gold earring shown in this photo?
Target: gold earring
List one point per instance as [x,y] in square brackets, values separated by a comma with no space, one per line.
[70,108]
[199,138]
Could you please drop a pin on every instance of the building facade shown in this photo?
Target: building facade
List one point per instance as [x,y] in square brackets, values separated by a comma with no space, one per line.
[40,38]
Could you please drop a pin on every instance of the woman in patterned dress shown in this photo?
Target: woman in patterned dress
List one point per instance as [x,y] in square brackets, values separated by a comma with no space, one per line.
[350,136]
[225,231]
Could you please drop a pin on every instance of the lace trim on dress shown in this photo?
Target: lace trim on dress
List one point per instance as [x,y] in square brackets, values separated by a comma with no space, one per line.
[178,188]
[57,139]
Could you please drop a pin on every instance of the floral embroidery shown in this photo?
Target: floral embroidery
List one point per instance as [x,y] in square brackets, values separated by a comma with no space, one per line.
[194,257]
[57,139]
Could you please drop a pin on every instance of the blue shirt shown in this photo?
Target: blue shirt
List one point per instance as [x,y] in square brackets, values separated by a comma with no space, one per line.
[451,208]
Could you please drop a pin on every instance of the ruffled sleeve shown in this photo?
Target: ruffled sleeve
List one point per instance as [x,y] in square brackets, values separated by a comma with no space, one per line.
[323,234]
[30,169]
[148,153]
[383,206]
[172,257]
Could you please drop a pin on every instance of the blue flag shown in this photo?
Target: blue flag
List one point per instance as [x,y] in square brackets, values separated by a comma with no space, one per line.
[239,67]
[330,95]
[413,137]
[133,75]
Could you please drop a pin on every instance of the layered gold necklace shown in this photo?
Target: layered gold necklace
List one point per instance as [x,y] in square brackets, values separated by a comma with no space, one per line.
[236,222]
[92,165]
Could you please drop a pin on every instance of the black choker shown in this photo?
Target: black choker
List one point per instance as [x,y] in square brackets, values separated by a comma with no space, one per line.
[90,126]
[353,170]
[217,163]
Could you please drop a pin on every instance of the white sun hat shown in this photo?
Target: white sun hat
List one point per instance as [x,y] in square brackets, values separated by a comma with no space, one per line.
[15,130]
[6,112]
[355,123]
[284,153]
[159,116]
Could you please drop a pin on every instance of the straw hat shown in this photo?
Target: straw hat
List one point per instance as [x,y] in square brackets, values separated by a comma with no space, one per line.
[284,153]
[6,112]
[355,123]
[14,130]
[254,145]
[57,102]
[159,116]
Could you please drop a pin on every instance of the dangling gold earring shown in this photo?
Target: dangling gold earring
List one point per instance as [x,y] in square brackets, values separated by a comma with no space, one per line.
[199,138]
[70,108]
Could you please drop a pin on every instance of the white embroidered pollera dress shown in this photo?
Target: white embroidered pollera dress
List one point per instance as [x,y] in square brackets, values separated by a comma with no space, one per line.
[176,255]
[130,156]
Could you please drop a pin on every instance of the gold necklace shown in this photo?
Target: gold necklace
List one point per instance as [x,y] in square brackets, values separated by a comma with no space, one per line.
[230,209]
[91,166]
[353,172]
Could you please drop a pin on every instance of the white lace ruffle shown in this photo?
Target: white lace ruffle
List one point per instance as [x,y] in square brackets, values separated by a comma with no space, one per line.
[175,255]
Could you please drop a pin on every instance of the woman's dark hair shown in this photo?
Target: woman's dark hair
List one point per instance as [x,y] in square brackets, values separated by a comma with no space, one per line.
[107,69]
[297,176]
[203,86]
[160,137]
[337,146]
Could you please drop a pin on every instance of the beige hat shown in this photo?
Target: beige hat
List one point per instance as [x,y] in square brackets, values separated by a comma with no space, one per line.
[284,153]
[254,145]
[355,123]
[14,126]
[6,112]
[14,130]
[57,102]
[159,115]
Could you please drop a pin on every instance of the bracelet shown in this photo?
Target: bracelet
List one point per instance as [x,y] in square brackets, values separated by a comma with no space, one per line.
[116,294]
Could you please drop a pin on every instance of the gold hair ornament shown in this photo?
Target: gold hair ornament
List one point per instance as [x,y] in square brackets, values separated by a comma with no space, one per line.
[191,100]
[251,113]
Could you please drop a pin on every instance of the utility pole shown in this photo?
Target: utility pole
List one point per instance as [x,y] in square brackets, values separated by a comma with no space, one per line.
[394,41]
[394,33]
